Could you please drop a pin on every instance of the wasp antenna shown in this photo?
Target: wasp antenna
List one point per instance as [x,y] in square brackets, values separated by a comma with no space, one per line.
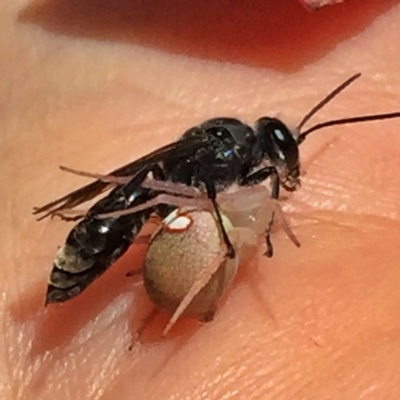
[326,100]
[344,121]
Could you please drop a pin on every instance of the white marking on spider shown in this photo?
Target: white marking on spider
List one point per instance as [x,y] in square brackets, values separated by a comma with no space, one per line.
[177,222]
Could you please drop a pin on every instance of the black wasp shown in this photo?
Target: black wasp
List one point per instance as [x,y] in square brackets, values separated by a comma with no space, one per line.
[212,157]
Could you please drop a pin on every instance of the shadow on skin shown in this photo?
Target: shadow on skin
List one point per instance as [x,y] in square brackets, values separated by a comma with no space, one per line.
[59,323]
[56,328]
[274,34]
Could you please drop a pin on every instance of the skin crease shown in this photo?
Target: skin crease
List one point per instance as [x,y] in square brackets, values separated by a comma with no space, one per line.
[80,89]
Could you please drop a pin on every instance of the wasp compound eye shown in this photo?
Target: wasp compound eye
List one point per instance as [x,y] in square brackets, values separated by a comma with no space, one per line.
[278,142]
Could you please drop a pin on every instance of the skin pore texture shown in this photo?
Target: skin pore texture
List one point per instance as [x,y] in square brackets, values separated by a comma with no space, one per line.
[94,85]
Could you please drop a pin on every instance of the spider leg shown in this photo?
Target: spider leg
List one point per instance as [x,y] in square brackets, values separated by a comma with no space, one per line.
[134,272]
[174,188]
[143,326]
[199,284]
[154,184]
[70,215]
[166,199]
[118,180]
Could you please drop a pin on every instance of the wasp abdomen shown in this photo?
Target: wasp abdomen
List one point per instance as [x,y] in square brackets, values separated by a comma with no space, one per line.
[95,243]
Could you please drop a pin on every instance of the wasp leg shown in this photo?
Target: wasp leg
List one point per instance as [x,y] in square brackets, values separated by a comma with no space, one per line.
[285,225]
[212,195]
[277,212]
[178,189]
[260,176]
[274,195]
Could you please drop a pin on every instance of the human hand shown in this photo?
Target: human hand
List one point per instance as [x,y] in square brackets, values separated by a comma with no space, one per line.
[315,322]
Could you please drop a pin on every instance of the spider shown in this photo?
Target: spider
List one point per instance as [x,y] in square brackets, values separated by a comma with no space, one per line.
[186,269]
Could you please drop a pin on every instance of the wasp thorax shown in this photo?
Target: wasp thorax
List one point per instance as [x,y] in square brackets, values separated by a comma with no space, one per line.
[179,254]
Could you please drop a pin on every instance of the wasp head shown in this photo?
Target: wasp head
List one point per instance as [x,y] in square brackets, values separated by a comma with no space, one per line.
[280,149]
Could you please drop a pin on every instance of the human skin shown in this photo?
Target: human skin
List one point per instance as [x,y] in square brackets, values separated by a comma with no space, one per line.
[317,322]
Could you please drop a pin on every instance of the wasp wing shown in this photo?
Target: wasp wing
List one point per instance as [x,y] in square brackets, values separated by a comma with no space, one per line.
[181,148]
